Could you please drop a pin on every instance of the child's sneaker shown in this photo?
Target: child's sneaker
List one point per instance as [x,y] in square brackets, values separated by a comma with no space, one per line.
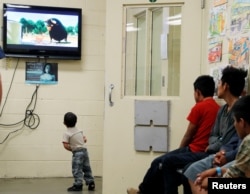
[75,188]
[91,186]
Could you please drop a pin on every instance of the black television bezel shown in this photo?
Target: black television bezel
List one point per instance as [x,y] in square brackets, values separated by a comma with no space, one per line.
[27,51]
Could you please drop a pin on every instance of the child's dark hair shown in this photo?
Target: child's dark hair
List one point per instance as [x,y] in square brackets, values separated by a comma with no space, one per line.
[241,109]
[235,78]
[70,119]
[205,84]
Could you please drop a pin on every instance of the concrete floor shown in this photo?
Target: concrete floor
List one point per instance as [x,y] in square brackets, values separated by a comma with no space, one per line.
[44,186]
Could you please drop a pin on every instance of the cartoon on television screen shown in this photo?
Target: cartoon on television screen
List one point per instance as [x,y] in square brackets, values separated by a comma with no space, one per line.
[42,29]
[41,73]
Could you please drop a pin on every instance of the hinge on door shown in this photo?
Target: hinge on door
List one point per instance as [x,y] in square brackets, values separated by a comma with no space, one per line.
[202,4]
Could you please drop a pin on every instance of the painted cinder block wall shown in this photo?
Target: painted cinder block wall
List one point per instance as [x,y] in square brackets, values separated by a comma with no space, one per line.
[80,89]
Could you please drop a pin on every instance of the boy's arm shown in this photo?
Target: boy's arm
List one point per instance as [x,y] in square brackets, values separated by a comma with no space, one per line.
[230,149]
[202,178]
[215,139]
[214,134]
[227,152]
[189,134]
[66,145]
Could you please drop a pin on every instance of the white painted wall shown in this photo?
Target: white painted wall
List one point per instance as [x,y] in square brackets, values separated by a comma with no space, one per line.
[39,152]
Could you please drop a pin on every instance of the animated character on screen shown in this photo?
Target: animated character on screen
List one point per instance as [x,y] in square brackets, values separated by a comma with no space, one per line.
[56,30]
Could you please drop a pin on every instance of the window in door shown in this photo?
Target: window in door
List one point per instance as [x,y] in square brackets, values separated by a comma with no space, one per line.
[152,51]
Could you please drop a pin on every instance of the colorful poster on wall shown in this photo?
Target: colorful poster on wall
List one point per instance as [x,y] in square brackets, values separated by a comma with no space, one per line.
[217,21]
[41,73]
[240,17]
[239,51]
[214,51]
[219,2]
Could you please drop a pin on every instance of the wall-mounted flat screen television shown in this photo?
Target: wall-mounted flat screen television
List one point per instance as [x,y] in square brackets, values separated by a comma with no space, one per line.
[31,31]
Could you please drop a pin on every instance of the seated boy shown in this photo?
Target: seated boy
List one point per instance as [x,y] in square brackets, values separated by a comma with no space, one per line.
[194,142]
[241,165]
[229,88]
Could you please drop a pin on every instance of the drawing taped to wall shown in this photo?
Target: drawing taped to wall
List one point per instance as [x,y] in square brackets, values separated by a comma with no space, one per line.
[216,73]
[214,51]
[217,21]
[240,17]
[239,51]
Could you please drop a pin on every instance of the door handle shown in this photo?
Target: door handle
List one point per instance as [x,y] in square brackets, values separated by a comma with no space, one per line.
[111,87]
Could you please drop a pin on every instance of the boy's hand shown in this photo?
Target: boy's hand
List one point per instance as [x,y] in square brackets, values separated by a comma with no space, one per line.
[84,139]
[202,177]
[67,146]
[220,158]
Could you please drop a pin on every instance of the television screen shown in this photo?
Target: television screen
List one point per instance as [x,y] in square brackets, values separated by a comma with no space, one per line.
[41,73]
[41,31]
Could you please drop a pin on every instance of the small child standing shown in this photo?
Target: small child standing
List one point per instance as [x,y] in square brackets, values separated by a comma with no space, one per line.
[74,140]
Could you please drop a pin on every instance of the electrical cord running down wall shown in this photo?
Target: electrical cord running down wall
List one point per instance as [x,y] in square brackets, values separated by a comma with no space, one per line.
[31,120]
